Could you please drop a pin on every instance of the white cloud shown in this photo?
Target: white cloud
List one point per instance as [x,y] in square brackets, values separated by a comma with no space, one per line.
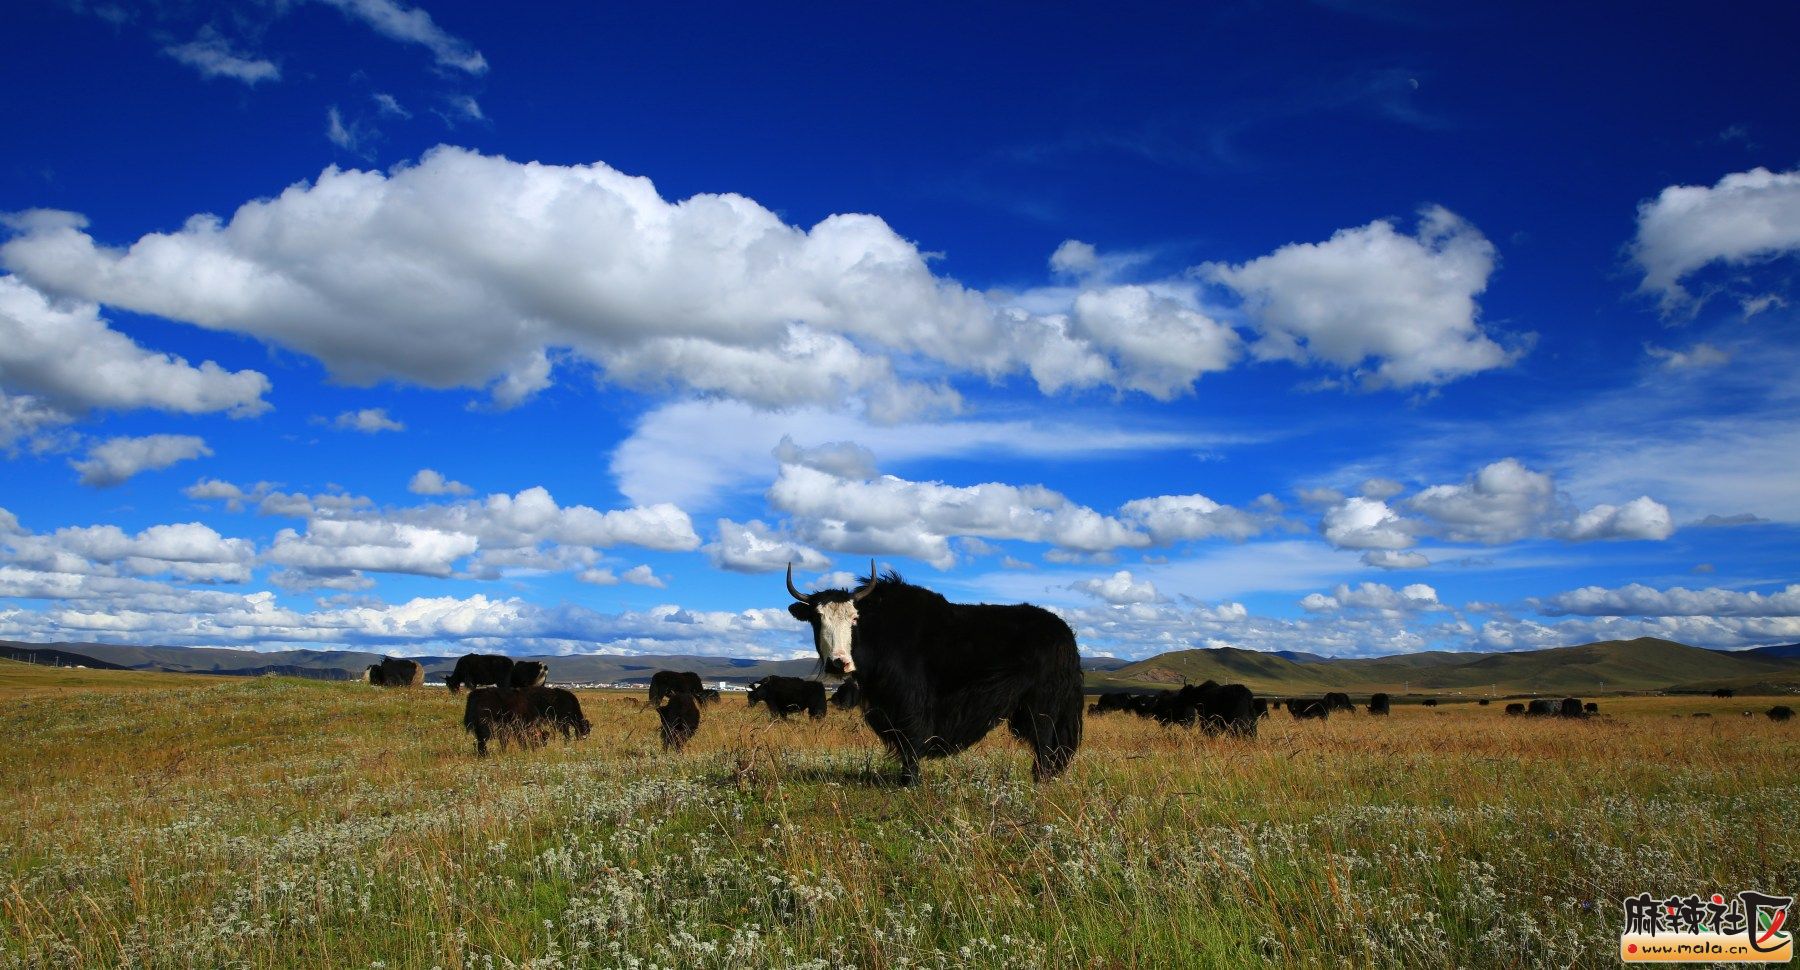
[65,357]
[1415,598]
[412,25]
[212,55]
[190,551]
[643,576]
[367,421]
[753,547]
[1391,559]
[1503,502]
[1697,356]
[895,516]
[1178,518]
[692,451]
[114,460]
[1745,217]
[1074,258]
[1119,588]
[339,546]
[1155,344]
[1395,310]
[1640,518]
[1366,523]
[1636,599]
[429,481]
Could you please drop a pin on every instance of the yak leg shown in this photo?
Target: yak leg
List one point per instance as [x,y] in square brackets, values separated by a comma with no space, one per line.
[1053,735]
[899,743]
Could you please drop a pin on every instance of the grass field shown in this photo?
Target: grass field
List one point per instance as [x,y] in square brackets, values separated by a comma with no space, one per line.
[187,821]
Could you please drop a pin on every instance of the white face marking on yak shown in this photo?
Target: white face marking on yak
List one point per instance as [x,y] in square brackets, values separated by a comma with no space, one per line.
[832,614]
[837,625]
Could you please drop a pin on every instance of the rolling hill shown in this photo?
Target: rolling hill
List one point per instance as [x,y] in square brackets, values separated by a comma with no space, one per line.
[1613,665]
[1646,663]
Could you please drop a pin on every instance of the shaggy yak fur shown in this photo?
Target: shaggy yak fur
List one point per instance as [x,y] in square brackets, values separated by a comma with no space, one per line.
[666,682]
[937,676]
[477,669]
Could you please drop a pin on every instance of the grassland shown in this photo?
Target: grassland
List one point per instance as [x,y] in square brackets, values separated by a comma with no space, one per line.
[193,822]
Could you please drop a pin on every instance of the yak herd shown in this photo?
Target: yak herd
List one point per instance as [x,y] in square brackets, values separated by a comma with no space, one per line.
[930,677]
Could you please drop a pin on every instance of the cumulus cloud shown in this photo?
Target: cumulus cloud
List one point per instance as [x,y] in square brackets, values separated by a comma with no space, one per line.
[1637,599]
[1366,523]
[1415,598]
[1744,218]
[429,481]
[1177,518]
[753,547]
[1640,518]
[213,56]
[1394,310]
[189,551]
[367,421]
[1152,343]
[65,357]
[114,460]
[900,517]
[1119,588]
[1503,502]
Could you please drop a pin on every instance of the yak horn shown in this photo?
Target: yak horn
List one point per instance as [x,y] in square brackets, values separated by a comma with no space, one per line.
[866,590]
[791,589]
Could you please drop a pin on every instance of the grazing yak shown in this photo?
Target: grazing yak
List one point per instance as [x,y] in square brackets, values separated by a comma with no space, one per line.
[1571,707]
[529,673]
[1215,708]
[1483,702]
[1780,712]
[1261,706]
[848,696]
[1542,707]
[680,714]
[937,676]
[1378,704]
[666,682]
[527,715]
[393,672]
[1337,701]
[1304,709]
[1107,703]
[708,696]
[1429,702]
[480,669]
[788,695]
[1590,708]
[1515,709]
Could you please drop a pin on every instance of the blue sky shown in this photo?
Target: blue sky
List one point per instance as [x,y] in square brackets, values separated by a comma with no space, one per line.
[1353,328]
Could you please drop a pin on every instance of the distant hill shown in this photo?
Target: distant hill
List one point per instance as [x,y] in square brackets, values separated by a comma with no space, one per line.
[43,656]
[1646,663]
[1786,651]
[1614,665]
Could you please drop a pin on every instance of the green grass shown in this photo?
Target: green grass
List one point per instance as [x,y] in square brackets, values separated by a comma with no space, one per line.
[276,822]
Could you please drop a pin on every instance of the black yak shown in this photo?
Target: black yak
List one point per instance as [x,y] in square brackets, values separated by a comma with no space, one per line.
[478,669]
[1780,712]
[527,715]
[1515,709]
[1215,708]
[708,696]
[529,673]
[1304,709]
[680,714]
[1542,707]
[1483,702]
[1571,707]
[393,672]
[937,676]
[848,696]
[1590,708]
[1337,701]
[1378,704]
[1429,702]
[666,682]
[788,695]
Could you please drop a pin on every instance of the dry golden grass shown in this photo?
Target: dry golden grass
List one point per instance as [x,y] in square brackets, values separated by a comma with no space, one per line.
[274,822]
